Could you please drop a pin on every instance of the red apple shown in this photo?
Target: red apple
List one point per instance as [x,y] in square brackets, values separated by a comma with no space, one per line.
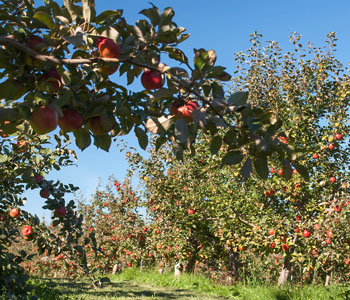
[100,125]
[295,171]
[337,208]
[71,120]
[317,226]
[152,80]
[328,241]
[273,245]
[280,172]
[347,261]
[329,233]
[272,170]
[338,136]
[107,47]
[315,156]
[271,232]
[27,232]
[331,146]
[267,193]
[296,229]
[60,211]
[44,119]
[332,179]
[45,193]
[50,81]
[15,212]
[36,42]
[183,109]
[190,211]
[38,178]
[306,233]
[285,247]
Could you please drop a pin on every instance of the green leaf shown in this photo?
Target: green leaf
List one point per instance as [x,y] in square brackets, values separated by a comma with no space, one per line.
[142,137]
[247,169]
[103,141]
[176,54]
[182,132]
[45,18]
[82,138]
[108,14]
[166,16]
[3,158]
[152,13]
[232,158]
[215,145]
[260,165]
[238,98]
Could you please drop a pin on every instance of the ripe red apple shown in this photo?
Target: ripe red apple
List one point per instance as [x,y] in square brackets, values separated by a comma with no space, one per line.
[332,179]
[347,261]
[152,80]
[15,212]
[315,156]
[107,47]
[273,245]
[328,241]
[183,110]
[267,193]
[280,172]
[338,136]
[337,208]
[190,211]
[44,119]
[346,203]
[285,247]
[60,212]
[50,81]
[38,178]
[108,69]
[329,233]
[296,229]
[100,125]
[27,232]
[306,233]
[36,42]
[295,171]
[71,120]
[331,146]
[317,226]
[272,170]
[45,193]
[271,232]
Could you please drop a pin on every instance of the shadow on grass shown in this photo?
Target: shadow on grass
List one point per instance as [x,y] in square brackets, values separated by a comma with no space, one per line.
[112,290]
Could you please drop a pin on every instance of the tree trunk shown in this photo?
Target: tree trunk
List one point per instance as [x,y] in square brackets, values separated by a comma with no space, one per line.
[286,269]
[190,264]
[233,264]
[328,279]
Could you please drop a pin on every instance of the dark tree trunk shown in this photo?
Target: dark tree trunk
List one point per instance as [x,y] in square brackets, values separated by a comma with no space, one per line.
[328,279]
[190,264]
[233,264]
[285,272]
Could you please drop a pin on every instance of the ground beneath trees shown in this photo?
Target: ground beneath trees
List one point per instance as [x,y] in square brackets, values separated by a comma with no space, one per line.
[125,290]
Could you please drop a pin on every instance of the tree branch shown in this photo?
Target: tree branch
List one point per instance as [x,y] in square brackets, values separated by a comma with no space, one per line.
[78,61]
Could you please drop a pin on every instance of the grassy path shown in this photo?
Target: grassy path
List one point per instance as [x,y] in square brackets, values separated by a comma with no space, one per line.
[132,285]
[125,290]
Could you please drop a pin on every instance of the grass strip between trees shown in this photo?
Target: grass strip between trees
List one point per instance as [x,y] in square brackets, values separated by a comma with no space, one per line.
[131,284]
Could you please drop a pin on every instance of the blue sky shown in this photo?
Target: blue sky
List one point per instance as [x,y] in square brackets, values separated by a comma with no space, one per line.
[225,27]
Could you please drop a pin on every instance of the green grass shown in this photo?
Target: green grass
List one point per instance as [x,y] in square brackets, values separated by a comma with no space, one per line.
[131,285]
